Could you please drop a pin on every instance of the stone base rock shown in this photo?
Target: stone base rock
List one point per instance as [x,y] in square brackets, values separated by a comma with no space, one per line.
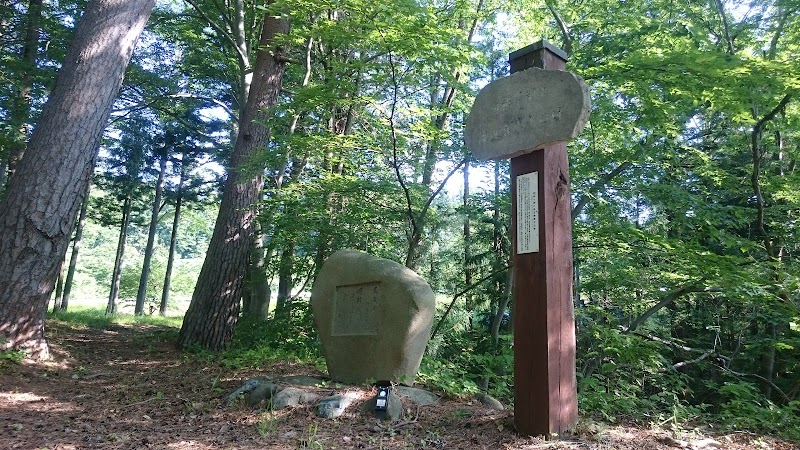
[292,396]
[272,392]
[418,396]
[262,392]
[335,405]
[394,410]
[302,380]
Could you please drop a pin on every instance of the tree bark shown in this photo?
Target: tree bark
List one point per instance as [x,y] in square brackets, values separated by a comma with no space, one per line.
[214,309]
[73,259]
[151,236]
[43,198]
[3,175]
[111,308]
[173,242]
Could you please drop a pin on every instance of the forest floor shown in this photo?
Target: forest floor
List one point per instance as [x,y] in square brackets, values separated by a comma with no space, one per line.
[127,387]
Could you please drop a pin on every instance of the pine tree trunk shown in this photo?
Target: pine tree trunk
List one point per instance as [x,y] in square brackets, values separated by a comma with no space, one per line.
[43,198]
[73,259]
[151,237]
[111,308]
[210,320]
[173,242]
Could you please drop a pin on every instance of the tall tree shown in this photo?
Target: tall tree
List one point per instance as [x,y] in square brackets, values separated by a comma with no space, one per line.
[43,199]
[119,255]
[151,237]
[214,309]
[73,258]
[173,236]
[21,102]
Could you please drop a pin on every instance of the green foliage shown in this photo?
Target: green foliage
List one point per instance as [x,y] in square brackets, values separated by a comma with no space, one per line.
[621,375]
[743,407]
[288,337]
[267,423]
[461,357]
[14,356]
[446,376]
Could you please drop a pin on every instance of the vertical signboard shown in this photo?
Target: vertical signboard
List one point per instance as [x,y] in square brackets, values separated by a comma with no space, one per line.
[528,213]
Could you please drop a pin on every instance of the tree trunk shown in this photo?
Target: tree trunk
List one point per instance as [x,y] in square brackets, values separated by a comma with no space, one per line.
[73,259]
[3,175]
[59,291]
[259,291]
[43,198]
[173,242]
[111,308]
[769,361]
[440,103]
[214,309]
[151,236]
[773,245]
[497,319]
[285,280]
[467,238]
[21,103]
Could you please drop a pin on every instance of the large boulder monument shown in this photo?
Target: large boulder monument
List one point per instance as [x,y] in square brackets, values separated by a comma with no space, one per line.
[374,318]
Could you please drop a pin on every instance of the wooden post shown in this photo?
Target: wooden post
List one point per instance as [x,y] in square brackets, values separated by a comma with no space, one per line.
[544,320]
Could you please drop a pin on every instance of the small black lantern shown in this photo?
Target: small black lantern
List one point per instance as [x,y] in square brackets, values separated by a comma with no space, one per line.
[382,398]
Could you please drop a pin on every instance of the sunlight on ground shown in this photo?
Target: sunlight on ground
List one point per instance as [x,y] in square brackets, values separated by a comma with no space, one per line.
[19,397]
[31,401]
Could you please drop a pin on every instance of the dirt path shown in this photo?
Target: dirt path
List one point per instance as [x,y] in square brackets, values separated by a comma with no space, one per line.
[126,387]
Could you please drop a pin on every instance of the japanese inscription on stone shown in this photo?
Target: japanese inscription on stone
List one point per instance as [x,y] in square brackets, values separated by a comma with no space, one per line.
[526,111]
[528,213]
[355,310]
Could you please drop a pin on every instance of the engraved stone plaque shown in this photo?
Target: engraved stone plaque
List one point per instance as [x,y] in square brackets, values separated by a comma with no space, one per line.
[374,317]
[526,111]
[528,213]
[355,311]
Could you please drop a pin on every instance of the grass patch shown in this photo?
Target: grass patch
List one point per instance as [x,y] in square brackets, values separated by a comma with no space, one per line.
[97,318]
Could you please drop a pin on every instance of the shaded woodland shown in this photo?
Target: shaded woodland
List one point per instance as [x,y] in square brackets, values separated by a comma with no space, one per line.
[245,141]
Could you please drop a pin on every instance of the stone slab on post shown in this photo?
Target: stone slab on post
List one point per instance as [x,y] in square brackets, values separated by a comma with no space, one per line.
[545,389]
[528,117]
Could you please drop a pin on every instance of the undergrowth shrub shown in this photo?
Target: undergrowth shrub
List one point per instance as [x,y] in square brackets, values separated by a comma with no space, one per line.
[744,407]
[460,357]
[621,375]
[290,336]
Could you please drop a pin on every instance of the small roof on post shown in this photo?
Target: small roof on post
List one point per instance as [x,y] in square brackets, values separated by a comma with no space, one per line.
[544,43]
[531,56]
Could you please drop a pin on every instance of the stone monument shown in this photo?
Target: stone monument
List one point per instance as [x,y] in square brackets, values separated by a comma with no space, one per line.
[528,117]
[374,318]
